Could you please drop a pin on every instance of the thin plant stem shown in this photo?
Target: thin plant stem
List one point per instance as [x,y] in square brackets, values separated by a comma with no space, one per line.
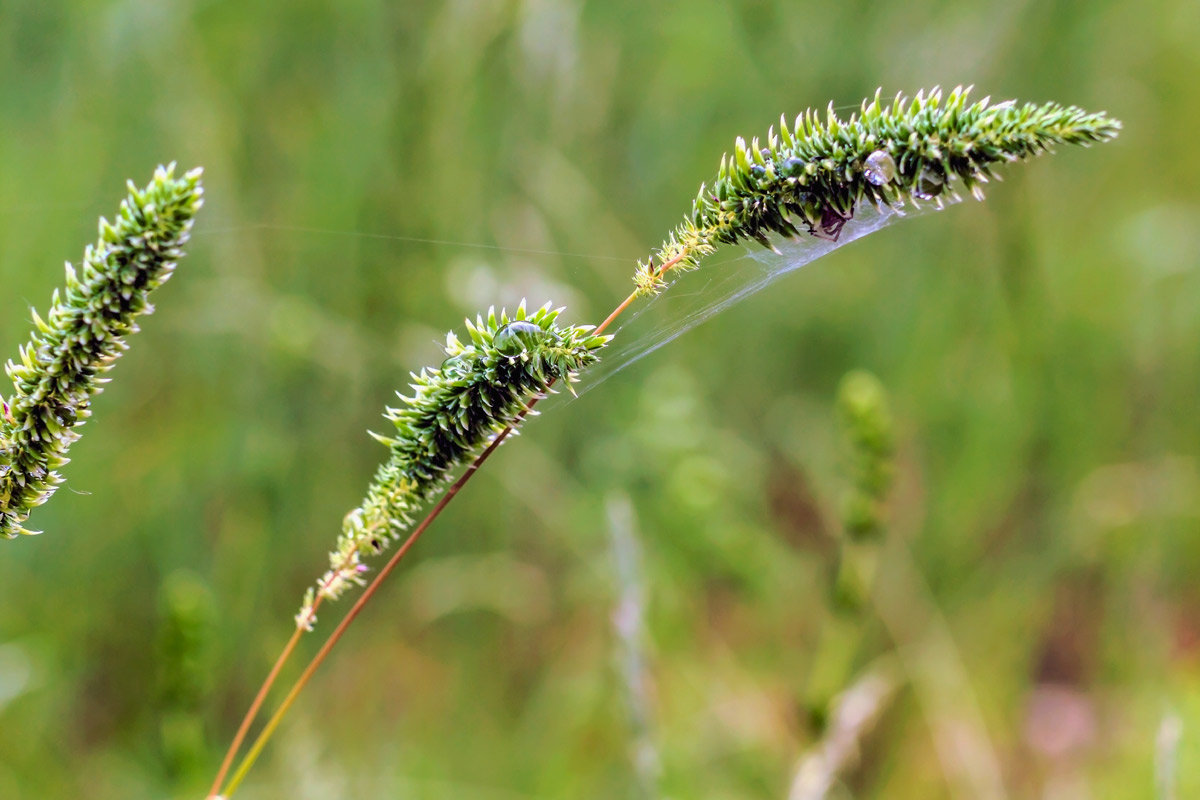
[616,312]
[268,730]
[252,712]
[256,705]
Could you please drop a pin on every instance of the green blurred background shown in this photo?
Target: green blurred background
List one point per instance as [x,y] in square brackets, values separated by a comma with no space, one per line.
[1041,351]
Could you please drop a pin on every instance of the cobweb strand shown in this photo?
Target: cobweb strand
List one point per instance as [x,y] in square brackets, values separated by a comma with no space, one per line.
[693,298]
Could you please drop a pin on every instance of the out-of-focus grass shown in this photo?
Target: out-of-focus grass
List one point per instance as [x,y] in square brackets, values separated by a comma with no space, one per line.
[1041,351]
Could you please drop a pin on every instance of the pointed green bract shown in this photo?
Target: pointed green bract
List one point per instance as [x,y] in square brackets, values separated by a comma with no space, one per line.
[812,176]
[60,368]
[484,386]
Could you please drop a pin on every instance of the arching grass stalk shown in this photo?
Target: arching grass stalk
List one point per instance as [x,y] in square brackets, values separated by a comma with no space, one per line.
[469,404]
[268,730]
[810,177]
[308,614]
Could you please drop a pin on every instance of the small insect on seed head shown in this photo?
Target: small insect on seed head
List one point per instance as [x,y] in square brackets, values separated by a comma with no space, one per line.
[831,224]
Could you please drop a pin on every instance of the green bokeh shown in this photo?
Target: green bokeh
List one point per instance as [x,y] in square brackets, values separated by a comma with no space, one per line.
[1041,353]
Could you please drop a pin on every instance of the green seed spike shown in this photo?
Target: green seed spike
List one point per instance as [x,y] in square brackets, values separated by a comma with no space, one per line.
[451,416]
[62,365]
[910,150]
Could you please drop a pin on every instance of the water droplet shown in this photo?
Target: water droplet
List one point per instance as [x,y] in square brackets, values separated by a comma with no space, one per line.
[791,167]
[454,364]
[516,337]
[930,183]
[879,168]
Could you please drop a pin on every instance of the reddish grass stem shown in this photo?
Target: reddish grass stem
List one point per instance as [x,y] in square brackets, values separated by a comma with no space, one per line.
[265,734]
[252,712]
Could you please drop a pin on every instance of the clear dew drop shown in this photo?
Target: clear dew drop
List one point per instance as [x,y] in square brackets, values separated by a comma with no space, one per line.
[929,184]
[792,166]
[454,364]
[879,168]
[517,337]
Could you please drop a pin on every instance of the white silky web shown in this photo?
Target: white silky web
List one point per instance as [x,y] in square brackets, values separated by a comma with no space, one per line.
[727,277]
[697,296]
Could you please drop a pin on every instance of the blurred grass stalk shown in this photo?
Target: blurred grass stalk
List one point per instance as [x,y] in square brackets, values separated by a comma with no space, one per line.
[629,625]
[843,707]
[933,666]
[185,645]
[865,422]
[851,717]
[1166,755]
[923,651]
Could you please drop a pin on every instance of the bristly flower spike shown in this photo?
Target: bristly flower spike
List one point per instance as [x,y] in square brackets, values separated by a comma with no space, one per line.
[484,386]
[457,415]
[62,365]
[812,176]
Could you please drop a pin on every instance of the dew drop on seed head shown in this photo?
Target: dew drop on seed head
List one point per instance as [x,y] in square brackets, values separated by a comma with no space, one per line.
[453,364]
[792,166]
[879,168]
[516,337]
[929,183]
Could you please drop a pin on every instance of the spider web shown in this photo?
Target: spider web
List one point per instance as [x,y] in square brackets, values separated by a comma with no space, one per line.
[694,297]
